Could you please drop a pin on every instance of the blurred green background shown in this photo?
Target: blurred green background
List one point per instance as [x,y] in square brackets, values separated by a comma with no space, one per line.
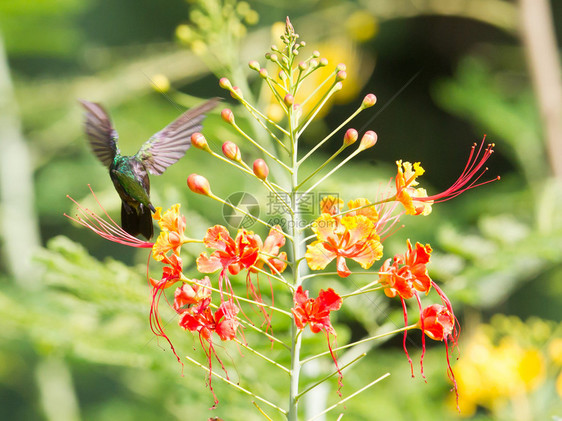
[74,336]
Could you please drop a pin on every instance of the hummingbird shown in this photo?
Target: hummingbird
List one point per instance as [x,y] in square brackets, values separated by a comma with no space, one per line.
[129,174]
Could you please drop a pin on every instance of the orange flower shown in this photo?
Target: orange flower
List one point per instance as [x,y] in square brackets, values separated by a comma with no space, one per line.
[405,191]
[171,238]
[438,322]
[407,273]
[191,293]
[232,254]
[417,202]
[270,251]
[315,311]
[350,236]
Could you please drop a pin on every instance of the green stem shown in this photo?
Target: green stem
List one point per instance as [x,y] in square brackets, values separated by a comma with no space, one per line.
[352,344]
[236,386]
[337,129]
[319,382]
[349,397]
[317,170]
[298,251]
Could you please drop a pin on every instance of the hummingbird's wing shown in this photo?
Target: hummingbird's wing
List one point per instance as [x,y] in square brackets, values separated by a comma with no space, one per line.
[169,144]
[101,134]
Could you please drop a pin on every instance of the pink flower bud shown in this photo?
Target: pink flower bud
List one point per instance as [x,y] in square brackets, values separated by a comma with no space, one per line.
[313,63]
[263,73]
[282,75]
[368,140]
[302,66]
[254,65]
[273,58]
[341,75]
[227,115]
[231,151]
[338,86]
[289,99]
[261,170]
[341,66]
[316,54]
[236,92]
[350,137]
[369,101]
[199,141]
[225,83]
[323,62]
[198,184]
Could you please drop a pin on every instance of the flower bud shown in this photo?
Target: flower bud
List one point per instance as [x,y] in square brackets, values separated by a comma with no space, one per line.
[254,65]
[273,58]
[316,54]
[236,92]
[225,83]
[289,100]
[161,83]
[341,75]
[198,184]
[368,140]
[350,137]
[313,63]
[231,151]
[198,141]
[338,86]
[263,73]
[341,66]
[302,66]
[274,48]
[261,170]
[227,115]
[369,101]
[282,75]
[323,62]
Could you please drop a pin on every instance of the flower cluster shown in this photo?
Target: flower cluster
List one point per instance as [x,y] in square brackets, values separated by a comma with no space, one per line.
[353,237]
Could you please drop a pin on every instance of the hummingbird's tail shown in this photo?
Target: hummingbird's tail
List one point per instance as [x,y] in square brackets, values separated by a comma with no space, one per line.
[137,223]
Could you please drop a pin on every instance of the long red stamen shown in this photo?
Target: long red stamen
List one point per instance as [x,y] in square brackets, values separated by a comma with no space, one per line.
[406,335]
[469,177]
[109,230]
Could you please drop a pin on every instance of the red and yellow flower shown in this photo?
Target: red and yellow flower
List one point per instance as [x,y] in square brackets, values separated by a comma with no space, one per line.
[232,254]
[417,202]
[346,237]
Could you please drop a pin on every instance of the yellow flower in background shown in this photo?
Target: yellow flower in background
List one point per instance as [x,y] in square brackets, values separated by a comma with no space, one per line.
[493,372]
[361,26]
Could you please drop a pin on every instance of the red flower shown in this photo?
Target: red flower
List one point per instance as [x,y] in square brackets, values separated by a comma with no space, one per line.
[407,273]
[200,318]
[191,293]
[232,254]
[271,253]
[439,323]
[405,277]
[315,311]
